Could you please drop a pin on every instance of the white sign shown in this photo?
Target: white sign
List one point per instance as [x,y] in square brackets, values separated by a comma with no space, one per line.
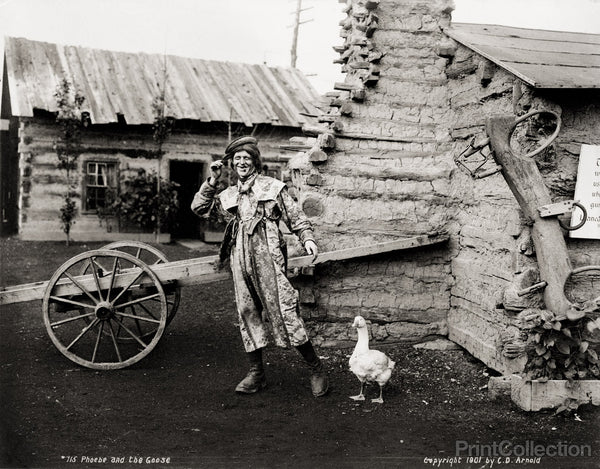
[587,192]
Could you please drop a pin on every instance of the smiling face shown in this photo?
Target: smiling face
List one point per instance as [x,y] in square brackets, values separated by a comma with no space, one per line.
[243,164]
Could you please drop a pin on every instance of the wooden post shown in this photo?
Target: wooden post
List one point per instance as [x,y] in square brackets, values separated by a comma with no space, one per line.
[527,185]
[294,50]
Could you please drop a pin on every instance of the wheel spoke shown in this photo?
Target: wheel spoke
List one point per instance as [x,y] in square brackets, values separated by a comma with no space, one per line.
[139,300]
[114,341]
[138,252]
[140,341]
[148,311]
[95,273]
[97,341]
[83,332]
[112,278]
[81,287]
[128,286]
[137,322]
[74,318]
[169,303]
[71,302]
[140,318]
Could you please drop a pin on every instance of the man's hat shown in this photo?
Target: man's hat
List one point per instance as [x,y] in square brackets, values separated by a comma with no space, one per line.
[237,144]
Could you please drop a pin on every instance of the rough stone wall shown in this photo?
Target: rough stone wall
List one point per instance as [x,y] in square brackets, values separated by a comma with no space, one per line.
[42,184]
[495,256]
[380,167]
[387,177]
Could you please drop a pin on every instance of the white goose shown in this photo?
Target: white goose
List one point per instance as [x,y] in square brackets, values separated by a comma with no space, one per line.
[369,365]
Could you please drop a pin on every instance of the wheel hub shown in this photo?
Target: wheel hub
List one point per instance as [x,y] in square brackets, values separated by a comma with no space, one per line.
[104,311]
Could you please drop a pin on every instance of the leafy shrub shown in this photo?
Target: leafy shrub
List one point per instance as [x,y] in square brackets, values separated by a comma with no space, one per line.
[140,204]
[558,347]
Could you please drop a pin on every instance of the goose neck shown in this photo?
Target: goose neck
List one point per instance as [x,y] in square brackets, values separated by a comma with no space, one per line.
[363,339]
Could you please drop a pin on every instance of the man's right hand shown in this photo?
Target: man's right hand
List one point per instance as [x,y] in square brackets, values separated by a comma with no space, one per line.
[216,169]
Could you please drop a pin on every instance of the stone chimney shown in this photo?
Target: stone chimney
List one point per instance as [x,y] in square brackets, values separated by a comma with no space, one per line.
[378,166]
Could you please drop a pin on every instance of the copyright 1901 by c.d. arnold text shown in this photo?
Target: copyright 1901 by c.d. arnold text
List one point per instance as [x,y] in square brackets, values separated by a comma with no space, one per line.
[141,460]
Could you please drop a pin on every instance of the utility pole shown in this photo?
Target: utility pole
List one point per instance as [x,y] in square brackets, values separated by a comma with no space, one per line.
[297,24]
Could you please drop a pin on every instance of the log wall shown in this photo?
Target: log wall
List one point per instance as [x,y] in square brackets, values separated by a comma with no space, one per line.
[496,256]
[43,185]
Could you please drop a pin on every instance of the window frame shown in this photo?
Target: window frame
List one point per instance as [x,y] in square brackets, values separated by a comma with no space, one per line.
[85,180]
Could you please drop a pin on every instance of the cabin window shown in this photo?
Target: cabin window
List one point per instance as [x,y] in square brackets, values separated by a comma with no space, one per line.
[100,182]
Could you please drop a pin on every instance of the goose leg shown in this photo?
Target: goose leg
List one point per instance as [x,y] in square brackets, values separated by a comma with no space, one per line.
[361,396]
[379,400]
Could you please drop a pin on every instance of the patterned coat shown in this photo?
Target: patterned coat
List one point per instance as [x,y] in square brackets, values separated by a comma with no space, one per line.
[267,303]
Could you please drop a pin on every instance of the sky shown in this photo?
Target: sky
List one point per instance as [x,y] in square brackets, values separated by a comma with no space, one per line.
[249,31]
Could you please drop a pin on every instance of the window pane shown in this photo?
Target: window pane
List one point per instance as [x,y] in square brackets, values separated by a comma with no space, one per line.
[99,178]
[91,198]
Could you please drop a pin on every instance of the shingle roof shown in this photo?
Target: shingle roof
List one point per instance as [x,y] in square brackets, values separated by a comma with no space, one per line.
[544,59]
[126,83]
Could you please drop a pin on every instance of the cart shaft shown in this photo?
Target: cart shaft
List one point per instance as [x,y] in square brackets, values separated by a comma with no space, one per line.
[197,271]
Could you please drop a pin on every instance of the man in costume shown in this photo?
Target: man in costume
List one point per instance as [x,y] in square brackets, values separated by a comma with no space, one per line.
[267,303]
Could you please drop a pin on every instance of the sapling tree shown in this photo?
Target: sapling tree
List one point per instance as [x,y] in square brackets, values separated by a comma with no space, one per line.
[161,127]
[68,147]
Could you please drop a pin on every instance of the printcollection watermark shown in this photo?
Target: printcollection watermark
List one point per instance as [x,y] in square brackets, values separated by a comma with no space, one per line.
[530,449]
[506,452]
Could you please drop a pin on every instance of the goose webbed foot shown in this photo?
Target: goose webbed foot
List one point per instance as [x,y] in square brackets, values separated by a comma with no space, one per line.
[360,396]
[379,400]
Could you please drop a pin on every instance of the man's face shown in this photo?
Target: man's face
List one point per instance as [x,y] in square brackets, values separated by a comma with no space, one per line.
[243,164]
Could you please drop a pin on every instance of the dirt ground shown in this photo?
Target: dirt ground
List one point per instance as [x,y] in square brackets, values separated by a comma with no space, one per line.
[177,408]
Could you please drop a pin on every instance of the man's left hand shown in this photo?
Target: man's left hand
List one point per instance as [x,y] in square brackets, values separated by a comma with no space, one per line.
[312,249]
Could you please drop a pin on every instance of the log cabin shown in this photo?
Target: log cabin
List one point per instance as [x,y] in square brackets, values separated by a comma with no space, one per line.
[418,89]
[209,102]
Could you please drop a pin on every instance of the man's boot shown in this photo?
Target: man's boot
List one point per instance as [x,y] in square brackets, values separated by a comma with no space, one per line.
[318,377]
[255,380]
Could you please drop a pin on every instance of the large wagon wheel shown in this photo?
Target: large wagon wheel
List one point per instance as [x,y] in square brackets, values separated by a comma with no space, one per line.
[86,314]
[151,256]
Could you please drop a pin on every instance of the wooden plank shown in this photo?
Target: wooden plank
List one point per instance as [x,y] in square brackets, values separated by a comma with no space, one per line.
[185,272]
[202,270]
[541,34]
[18,98]
[545,76]
[369,250]
[482,39]
[386,138]
[554,58]
[197,101]
[256,91]
[541,63]
[233,79]
[289,116]
[215,103]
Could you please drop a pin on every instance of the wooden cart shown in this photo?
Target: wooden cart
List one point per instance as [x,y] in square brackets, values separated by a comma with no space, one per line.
[108,308]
